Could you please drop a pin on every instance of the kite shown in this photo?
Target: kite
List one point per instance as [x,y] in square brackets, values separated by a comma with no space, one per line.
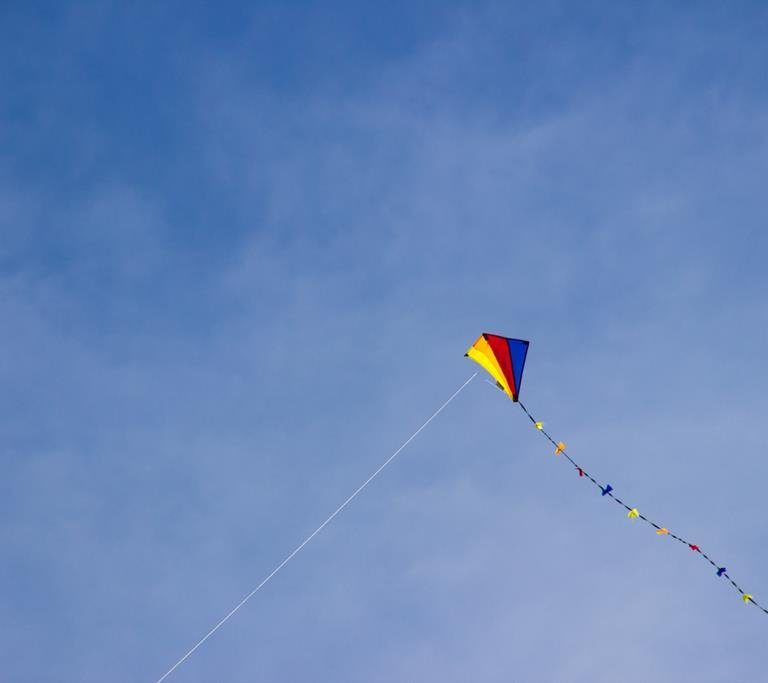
[504,359]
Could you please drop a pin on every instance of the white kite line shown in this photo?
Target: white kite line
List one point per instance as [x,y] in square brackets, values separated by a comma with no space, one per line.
[313,534]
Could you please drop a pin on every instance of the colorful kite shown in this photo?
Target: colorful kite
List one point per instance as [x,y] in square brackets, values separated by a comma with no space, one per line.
[504,359]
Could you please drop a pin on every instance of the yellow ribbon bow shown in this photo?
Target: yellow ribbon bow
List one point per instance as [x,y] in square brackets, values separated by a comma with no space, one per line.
[560,448]
[539,425]
[633,513]
[747,598]
[661,531]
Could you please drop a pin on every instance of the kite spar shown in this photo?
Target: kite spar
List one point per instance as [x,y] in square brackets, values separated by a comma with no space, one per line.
[504,359]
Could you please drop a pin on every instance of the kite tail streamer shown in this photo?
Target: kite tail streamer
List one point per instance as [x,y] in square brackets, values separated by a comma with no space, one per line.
[328,519]
[634,513]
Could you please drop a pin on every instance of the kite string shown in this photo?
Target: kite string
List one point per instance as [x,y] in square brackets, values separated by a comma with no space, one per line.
[313,534]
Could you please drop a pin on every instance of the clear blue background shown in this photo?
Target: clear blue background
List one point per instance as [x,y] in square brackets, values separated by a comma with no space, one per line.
[242,251]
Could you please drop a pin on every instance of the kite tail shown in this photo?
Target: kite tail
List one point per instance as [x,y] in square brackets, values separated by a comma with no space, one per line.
[634,513]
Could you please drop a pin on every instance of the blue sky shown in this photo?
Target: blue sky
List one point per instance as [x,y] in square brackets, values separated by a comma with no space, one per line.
[242,251]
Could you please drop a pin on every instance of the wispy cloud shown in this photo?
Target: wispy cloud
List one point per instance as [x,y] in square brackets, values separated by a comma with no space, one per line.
[256,272]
